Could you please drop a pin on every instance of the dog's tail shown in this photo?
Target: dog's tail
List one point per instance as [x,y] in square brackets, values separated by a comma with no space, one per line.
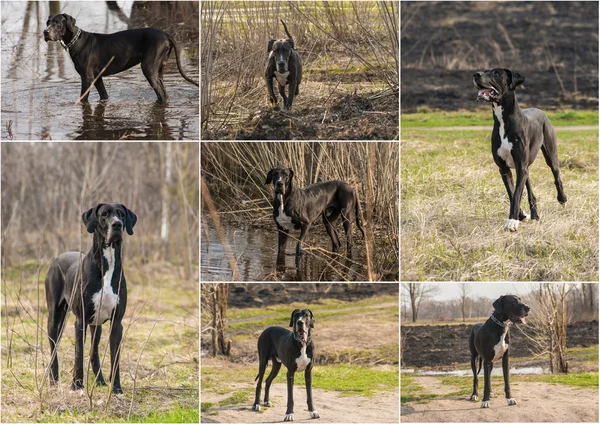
[480,361]
[357,212]
[185,77]
[286,30]
[256,376]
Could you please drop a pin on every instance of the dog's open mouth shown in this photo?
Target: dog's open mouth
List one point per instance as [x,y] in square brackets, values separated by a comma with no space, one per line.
[303,335]
[485,93]
[518,320]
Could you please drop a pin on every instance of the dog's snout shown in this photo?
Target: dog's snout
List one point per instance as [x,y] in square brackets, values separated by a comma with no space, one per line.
[478,74]
[46,32]
[279,183]
[117,225]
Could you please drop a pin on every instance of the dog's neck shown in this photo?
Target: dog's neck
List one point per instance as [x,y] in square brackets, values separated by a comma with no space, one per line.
[70,39]
[290,192]
[508,102]
[497,318]
[99,246]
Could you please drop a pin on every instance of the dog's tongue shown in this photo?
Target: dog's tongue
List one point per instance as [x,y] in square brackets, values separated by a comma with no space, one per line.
[304,336]
[523,321]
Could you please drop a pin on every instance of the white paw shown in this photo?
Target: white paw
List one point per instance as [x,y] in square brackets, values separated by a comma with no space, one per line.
[511,225]
[256,407]
[511,401]
[474,397]
[485,404]
[288,417]
[267,403]
[527,217]
[314,414]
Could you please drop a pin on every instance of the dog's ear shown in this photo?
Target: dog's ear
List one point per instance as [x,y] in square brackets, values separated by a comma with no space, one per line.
[269,177]
[51,17]
[90,218]
[514,79]
[312,319]
[289,40]
[130,220]
[270,47]
[498,305]
[291,173]
[70,22]
[292,317]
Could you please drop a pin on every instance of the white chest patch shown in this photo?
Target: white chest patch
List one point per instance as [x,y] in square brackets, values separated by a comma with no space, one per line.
[282,219]
[105,300]
[302,361]
[501,346]
[282,78]
[504,151]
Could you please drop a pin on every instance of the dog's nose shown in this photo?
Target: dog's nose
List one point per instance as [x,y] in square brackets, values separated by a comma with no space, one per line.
[478,74]
[46,33]
[117,225]
[279,184]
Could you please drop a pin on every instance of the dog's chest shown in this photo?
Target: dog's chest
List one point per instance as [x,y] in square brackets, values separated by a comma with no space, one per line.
[505,149]
[282,218]
[501,346]
[105,300]
[302,361]
[282,77]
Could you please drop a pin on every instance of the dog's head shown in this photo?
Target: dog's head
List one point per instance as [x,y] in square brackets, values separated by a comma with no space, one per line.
[281,179]
[280,51]
[108,220]
[496,83]
[58,26]
[511,308]
[302,323]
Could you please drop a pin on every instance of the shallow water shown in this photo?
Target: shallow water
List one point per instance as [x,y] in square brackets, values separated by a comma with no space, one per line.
[497,371]
[40,85]
[255,251]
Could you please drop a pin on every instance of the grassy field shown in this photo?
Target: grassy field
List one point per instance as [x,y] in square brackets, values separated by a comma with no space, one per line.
[159,360]
[356,356]
[454,206]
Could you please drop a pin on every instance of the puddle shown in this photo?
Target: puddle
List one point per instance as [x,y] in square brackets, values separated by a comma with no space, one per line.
[255,251]
[40,85]
[497,371]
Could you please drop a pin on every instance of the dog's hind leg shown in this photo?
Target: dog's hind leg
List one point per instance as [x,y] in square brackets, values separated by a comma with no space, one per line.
[262,367]
[274,371]
[56,321]
[328,221]
[551,157]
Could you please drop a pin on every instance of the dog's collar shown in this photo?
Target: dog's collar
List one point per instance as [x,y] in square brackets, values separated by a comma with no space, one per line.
[497,321]
[68,46]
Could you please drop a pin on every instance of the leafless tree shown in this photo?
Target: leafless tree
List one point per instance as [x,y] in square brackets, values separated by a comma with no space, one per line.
[417,293]
[465,300]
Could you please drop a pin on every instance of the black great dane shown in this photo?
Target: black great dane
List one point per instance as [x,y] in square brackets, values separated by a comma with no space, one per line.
[517,137]
[294,349]
[92,286]
[489,342]
[91,52]
[295,208]
[284,64]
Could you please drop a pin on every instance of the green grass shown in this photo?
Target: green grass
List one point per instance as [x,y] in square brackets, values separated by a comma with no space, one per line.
[236,398]
[179,415]
[583,380]
[428,118]
[454,206]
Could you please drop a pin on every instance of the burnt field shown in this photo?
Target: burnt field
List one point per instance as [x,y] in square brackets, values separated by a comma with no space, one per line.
[443,345]
[554,44]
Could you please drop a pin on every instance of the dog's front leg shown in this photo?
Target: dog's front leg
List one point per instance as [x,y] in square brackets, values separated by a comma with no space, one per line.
[487,383]
[290,99]
[515,204]
[289,413]
[79,343]
[507,179]
[505,372]
[116,335]
[282,240]
[300,245]
[308,381]
[272,98]
[99,84]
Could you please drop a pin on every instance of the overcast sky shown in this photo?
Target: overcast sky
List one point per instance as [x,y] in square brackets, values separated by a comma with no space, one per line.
[491,290]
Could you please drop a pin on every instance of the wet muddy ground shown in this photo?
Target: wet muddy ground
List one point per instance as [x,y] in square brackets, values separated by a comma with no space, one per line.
[444,345]
[40,85]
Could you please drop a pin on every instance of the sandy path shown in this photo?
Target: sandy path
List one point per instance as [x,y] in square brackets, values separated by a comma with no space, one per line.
[332,407]
[537,402]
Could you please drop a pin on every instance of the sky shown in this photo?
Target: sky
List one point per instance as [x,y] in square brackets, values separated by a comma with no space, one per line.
[491,290]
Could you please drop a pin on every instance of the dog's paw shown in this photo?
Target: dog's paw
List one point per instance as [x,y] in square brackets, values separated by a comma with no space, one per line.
[256,407]
[288,417]
[511,401]
[511,225]
[77,384]
[474,397]
[267,403]
[314,414]
[485,404]
[117,391]
[524,216]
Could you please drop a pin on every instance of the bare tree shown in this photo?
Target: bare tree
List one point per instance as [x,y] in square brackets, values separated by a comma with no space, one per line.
[214,297]
[548,325]
[417,293]
[465,290]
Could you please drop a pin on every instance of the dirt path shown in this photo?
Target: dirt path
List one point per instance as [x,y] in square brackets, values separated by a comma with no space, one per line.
[332,407]
[537,402]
